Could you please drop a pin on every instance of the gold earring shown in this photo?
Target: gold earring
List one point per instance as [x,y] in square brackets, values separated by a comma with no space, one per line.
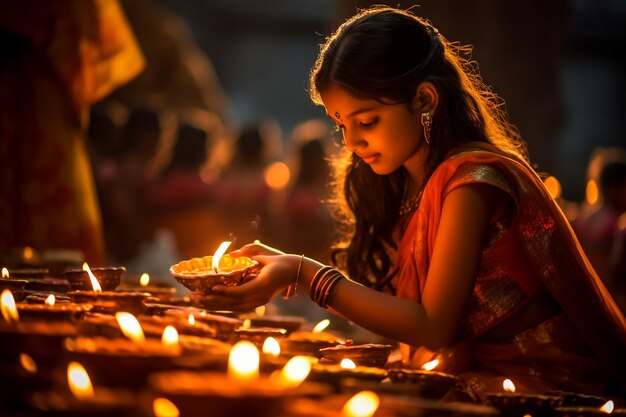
[427,122]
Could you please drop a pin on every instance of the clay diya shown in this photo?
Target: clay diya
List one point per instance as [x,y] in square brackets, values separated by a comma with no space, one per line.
[518,404]
[309,343]
[223,326]
[421,383]
[201,274]
[370,354]
[109,277]
[606,409]
[241,391]
[16,286]
[289,323]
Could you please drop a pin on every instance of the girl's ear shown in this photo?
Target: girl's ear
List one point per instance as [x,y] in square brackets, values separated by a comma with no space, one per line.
[426,98]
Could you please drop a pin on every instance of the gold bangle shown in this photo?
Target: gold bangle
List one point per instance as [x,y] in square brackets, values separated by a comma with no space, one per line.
[292,289]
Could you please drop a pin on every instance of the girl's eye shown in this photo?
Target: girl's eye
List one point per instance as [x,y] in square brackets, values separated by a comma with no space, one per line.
[368,124]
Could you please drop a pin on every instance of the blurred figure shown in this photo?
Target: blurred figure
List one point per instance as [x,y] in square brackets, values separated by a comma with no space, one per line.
[58,59]
[182,198]
[599,228]
[309,223]
[241,193]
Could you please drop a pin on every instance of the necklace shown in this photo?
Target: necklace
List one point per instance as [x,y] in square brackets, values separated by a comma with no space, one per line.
[410,204]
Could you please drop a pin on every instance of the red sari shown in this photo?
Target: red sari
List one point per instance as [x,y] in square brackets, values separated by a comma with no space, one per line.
[533,260]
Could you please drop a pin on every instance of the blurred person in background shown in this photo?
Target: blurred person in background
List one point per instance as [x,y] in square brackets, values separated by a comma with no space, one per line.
[58,59]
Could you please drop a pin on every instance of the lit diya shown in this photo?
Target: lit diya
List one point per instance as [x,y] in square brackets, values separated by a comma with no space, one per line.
[82,399]
[109,301]
[518,404]
[241,391]
[289,323]
[133,353]
[223,326]
[335,375]
[310,343]
[109,277]
[425,382]
[369,354]
[51,310]
[201,274]
[16,286]
[608,407]
[162,293]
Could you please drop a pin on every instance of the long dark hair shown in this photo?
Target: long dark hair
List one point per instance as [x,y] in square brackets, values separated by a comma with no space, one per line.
[385,53]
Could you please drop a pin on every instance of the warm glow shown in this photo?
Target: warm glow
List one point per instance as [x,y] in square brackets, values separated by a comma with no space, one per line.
[28,253]
[347,363]
[243,362]
[276,175]
[554,186]
[130,326]
[50,300]
[608,407]
[295,371]
[79,381]
[162,407]
[28,363]
[591,192]
[508,385]
[5,273]
[271,347]
[429,366]
[94,282]
[170,337]
[7,305]
[144,279]
[247,323]
[218,255]
[260,311]
[321,326]
[191,319]
[363,404]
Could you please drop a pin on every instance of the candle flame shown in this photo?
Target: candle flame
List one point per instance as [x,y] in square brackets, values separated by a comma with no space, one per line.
[608,407]
[218,255]
[271,347]
[94,282]
[363,404]
[247,323]
[191,319]
[7,305]
[28,363]
[243,362]
[429,366]
[79,381]
[295,371]
[5,273]
[321,326]
[130,326]
[144,279]
[162,407]
[347,363]
[50,300]
[508,385]
[170,337]
[260,311]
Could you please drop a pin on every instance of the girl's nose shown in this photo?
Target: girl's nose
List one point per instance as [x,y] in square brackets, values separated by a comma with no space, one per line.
[352,141]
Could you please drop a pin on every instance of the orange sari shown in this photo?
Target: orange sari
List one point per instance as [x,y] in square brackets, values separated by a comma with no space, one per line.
[533,260]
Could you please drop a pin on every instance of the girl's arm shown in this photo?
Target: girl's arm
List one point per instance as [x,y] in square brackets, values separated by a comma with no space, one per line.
[433,323]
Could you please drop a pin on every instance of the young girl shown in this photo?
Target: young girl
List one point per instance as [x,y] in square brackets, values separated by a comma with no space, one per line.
[453,246]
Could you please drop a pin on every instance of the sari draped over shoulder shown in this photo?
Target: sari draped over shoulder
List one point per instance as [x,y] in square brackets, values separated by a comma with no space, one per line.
[533,259]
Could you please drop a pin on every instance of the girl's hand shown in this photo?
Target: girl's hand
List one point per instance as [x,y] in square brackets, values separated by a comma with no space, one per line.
[277,272]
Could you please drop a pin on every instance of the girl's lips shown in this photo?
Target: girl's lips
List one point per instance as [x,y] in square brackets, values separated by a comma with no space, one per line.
[369,159]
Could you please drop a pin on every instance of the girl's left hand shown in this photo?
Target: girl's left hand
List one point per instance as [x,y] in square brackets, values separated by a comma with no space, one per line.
[277,272]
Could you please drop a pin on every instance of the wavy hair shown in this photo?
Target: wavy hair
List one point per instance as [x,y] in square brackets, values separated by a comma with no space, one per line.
[383,53]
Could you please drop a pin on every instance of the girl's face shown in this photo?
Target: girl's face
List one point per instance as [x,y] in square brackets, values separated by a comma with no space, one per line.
[384,136]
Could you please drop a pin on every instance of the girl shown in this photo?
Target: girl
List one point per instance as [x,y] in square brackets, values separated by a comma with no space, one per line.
[453,246]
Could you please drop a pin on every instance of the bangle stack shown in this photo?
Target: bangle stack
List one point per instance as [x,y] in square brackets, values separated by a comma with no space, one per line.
[292,289]
[322,284]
